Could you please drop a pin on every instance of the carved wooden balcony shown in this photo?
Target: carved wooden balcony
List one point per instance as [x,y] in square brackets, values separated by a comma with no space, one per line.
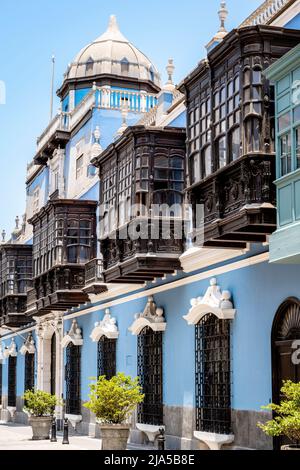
[137,261]
[142,171]
[231,158]
[94,279]
[64,239]
[16,279]
[238,203]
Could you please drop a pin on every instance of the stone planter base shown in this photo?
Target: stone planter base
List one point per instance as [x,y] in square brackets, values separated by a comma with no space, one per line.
[290,447]
[114,436]
[40,427]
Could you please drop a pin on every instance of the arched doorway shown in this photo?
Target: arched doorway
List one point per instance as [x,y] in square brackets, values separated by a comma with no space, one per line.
[53,365]
[285,330]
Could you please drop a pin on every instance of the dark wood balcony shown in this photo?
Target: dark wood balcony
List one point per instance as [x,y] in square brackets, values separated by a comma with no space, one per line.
[238,203]
[137,261]
[16,279]
[142,176]
[64,241]
[94,279]
[231,157]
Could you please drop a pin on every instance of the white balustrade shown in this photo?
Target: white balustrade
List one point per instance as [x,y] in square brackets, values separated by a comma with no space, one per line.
[104,98]
[264,13]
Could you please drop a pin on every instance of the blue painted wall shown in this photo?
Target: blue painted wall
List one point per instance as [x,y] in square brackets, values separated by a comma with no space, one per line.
[294,23]
[251,330]
[180,121]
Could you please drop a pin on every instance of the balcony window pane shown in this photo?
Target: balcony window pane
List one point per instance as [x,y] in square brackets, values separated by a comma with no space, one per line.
[298,147]
[284,121]
[235,144]
[222,152]
[297,114]
[256,77]
[285,154]
[207,161]
[195,167]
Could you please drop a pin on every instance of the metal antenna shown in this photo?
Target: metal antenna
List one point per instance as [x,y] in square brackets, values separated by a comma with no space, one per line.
[52,87]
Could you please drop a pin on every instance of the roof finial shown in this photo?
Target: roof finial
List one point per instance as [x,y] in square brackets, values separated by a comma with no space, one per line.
[113,24]
[223,13]
[170,70]
[17,220]
[3,234]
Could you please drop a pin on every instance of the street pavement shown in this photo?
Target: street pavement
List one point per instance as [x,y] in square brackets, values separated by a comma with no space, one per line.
[18,437]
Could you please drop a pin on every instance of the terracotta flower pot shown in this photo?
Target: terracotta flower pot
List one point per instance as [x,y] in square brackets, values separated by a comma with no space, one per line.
[114,436]
[290,447]
[40,427]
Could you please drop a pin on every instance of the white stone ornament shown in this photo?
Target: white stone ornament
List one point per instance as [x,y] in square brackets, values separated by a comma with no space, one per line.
[74,336]
[152,316]
[11,351]
[96,147]
[28,346]
[106,327]
[214,301]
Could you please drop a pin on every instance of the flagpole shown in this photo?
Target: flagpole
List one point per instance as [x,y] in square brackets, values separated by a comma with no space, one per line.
[52,87]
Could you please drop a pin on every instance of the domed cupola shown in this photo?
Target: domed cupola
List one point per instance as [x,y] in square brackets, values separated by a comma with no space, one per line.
[111,60]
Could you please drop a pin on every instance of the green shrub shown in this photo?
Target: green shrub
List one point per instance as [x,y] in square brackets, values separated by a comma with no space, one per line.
[113,400]
[287,414]
[39,403]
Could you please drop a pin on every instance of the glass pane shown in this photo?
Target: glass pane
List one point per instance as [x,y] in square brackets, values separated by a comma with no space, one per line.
[284,121]
[235,144]
[297,114]
[195,164]
[256,77]
[207,161]
[298,147]
[161,161]
[222,152]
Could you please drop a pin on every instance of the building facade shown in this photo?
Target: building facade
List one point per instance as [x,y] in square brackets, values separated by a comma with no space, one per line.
[155,242]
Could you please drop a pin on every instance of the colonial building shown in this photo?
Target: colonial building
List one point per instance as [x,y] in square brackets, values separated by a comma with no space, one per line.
[155,241]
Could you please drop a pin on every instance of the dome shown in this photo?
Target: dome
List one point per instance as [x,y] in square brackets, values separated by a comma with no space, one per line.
[112,54]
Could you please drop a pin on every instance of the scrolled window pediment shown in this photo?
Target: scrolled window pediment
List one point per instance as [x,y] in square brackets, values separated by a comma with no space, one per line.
[106,327]
[28,346]
[153,317]
[73,336]
[214,301]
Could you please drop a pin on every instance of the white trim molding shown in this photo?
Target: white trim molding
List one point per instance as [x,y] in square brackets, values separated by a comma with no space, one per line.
[73,336]
[198,257]
[28,346]
[10,351]
[106,327]
[212,440]
[214,301]
[152,316]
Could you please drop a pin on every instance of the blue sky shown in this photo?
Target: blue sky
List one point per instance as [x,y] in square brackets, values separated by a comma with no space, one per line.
[32,30]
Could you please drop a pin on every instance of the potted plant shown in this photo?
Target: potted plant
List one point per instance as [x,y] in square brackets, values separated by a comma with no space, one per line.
[40,406]
[286,421]
[113,401]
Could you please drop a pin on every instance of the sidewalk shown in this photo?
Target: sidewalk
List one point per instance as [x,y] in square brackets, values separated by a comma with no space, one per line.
[18,437]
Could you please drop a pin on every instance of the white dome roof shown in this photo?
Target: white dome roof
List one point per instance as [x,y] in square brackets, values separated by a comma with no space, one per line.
[112,54]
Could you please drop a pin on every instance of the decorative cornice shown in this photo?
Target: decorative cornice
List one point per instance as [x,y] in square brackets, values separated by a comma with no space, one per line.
[73,336]
[106,327]
[214,301]
[152,317]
